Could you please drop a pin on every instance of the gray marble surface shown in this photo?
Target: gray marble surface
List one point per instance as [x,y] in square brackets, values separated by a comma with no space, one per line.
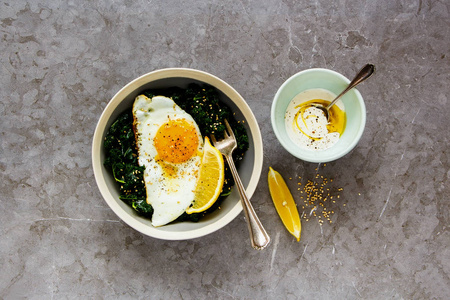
[61,62]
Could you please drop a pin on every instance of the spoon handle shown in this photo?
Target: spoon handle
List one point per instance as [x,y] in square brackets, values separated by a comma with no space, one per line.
[362,75]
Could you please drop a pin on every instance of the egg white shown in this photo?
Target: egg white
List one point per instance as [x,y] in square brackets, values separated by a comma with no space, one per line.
[169,194]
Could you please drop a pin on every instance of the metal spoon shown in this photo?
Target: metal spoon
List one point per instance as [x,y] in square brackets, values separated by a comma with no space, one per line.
[362,75]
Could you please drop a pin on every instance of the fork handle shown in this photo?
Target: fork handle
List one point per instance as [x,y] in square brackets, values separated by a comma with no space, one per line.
[258,235]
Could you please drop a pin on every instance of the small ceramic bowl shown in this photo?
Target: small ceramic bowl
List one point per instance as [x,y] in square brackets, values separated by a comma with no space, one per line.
[334,82]
[249,167]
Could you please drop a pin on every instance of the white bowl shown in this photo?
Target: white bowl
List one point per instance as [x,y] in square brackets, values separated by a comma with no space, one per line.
[249,168]
[334,82]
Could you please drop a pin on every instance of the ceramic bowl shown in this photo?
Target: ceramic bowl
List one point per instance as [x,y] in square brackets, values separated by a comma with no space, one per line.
[249,168]
[334,82]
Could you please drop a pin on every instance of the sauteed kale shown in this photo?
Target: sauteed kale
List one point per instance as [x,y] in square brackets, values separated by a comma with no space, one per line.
[121,157]
[202,103]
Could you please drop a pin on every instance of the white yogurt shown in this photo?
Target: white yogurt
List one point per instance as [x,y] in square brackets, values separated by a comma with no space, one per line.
[309,130]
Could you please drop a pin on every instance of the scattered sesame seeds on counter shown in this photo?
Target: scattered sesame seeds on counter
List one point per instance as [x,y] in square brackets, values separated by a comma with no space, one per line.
[319,198]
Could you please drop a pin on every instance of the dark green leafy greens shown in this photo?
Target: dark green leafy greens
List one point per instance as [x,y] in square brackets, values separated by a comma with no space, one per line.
[121,157]
[203,104]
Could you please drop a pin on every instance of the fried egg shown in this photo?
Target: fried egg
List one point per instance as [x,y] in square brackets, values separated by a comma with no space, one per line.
[170,146]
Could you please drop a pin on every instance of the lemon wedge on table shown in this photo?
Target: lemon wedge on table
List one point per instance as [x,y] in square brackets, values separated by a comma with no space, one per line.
[210,182]
[284,203]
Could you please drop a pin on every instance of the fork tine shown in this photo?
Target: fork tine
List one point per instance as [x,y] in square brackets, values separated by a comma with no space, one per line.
[213,138]
[229,130]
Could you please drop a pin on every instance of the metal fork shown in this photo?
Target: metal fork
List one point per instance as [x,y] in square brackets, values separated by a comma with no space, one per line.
[258,235]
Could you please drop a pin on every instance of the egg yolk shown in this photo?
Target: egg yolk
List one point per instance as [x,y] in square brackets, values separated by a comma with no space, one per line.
[176,141]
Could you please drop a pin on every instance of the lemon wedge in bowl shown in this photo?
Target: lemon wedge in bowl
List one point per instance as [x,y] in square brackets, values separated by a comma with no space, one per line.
[284,203]
[210,182]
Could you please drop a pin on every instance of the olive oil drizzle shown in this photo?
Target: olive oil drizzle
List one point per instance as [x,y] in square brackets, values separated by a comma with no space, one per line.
[337,120]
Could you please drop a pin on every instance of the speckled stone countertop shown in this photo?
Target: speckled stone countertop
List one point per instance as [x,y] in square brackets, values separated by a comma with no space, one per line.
[62,61]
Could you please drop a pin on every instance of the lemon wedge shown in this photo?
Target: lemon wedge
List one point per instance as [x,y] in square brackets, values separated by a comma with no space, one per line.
[210,182]
[284,203]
